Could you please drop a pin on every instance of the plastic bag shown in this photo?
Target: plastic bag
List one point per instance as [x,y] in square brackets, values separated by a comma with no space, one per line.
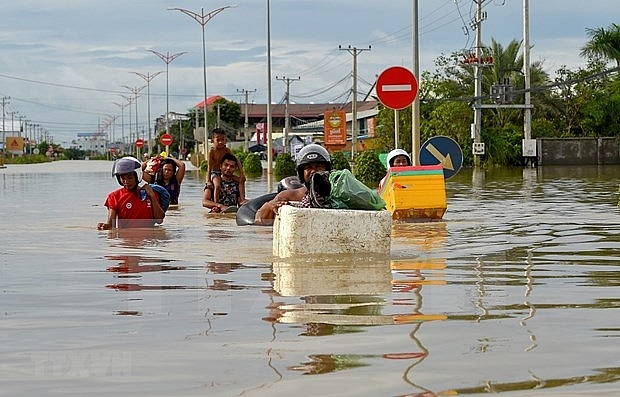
[348,192]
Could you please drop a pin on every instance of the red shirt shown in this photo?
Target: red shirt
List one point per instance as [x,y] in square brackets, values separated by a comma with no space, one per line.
[131,211]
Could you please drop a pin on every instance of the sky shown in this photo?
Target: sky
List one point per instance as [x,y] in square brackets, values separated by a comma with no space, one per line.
[66,65]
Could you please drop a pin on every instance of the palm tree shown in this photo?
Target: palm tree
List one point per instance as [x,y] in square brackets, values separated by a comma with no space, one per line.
[603,43]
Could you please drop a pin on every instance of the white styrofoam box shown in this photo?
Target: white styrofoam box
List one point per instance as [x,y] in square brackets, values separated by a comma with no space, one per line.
[330,231]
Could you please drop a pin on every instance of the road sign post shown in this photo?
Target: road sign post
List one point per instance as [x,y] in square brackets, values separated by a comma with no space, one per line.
[139,144]
[442,150]
[166,140]
[396,88]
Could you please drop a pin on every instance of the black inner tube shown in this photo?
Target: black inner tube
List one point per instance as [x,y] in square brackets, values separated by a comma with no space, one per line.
[247,212]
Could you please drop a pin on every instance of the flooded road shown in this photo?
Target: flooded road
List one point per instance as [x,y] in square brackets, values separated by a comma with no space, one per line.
[514,292]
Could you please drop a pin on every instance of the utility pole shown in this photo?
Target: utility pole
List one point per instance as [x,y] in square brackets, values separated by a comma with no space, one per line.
[21,118]
[287,118]
[245,122]
[415,107]
[478,87]
[5,101]
[527,112]
[354,51]
[218,121]
[13,113]
[21,125]
[269,116]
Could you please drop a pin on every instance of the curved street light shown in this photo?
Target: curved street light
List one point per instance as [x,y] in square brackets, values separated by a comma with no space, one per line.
[147,78]
[122,106]
[202,19]
[135,91]
[167,58]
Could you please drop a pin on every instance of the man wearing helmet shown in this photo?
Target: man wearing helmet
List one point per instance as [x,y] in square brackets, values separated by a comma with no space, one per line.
[311,159]
[131,205]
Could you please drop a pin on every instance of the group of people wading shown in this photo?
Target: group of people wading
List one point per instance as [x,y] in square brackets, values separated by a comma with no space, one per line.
[148,188]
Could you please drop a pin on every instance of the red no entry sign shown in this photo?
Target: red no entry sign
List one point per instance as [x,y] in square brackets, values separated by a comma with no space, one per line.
[396,87]
[139,142]
[166,139]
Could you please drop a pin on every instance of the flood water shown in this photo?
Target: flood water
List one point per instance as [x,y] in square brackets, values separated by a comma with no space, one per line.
[515,292]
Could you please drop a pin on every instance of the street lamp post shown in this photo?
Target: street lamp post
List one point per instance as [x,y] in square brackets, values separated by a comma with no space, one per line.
[167,58]
[202,19]
[135,91]
[147,78]
[129,102]
[122,106]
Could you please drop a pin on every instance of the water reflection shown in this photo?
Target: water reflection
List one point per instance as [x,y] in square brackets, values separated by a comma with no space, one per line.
[139,264]
[336,294]
[137,237]
[343,296]
[427,236]
[410,277]
[131,267]
[532,310]
[601,376]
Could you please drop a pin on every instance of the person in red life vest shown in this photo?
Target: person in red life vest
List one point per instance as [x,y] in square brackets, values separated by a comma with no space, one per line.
[132,205]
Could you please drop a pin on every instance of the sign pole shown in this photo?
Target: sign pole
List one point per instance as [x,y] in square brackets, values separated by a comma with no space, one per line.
[166,140]
[396,127]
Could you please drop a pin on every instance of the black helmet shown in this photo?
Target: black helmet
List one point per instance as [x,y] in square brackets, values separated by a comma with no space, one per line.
[127,165]
[312,153]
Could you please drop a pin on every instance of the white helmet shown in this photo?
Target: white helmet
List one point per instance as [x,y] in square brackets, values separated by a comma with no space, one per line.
[395,153]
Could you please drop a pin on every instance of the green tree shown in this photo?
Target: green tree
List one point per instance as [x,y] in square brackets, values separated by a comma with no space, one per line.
[584,105]
[222,111]
[446,97]
[603,44]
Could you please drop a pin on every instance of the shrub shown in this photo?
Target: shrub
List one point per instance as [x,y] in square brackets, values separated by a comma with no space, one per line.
[340,161]
[285,166]
[368,168]
[240,154]
[252,165]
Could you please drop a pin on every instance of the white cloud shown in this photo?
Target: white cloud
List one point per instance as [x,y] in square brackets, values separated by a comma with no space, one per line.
[64,62]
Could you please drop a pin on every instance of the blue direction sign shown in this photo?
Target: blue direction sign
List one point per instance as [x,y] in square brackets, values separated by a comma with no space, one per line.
[442,150]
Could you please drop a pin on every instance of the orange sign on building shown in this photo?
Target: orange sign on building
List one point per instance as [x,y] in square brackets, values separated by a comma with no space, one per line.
[335,127]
